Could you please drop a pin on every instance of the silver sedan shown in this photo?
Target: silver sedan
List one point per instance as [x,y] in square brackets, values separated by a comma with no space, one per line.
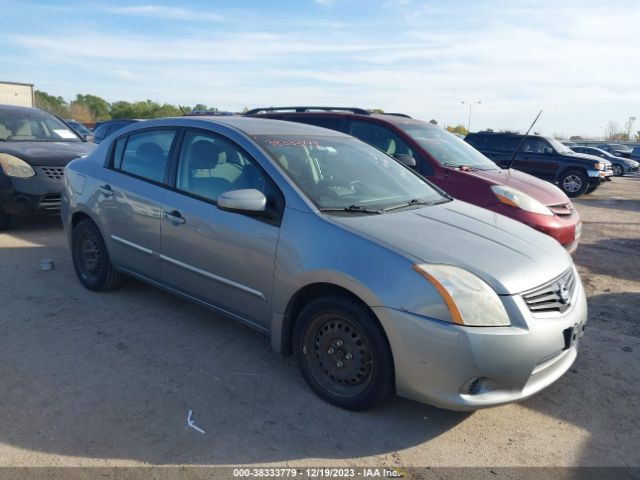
[377,281]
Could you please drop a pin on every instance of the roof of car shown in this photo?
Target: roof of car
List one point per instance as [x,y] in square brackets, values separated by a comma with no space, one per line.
[18,108]
[255,126]
[395,118]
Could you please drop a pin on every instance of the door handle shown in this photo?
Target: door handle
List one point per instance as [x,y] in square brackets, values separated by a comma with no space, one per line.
[106,190]
[174,217]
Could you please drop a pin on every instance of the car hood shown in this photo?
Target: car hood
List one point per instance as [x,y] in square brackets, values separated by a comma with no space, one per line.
[586,156]
[506,254]
[47,154]
[545,192]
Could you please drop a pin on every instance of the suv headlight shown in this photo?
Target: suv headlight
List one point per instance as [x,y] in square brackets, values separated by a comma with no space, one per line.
[599,165]
[14,167]
[469,299]
[515,198]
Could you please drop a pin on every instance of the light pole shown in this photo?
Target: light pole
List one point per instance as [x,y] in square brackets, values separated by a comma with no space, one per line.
[471,104]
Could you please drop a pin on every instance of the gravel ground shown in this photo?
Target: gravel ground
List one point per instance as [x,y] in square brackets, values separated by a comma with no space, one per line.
[107,379]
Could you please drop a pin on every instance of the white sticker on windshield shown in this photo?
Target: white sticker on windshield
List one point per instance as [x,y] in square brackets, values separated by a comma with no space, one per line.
[64,133]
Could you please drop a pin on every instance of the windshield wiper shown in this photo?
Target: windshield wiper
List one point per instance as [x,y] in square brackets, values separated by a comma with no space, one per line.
[410,203]
[351,209]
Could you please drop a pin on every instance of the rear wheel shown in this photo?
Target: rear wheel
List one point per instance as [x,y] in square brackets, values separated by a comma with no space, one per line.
[618,170]
[574,183]
[5,220]
[343,353]
[91,259]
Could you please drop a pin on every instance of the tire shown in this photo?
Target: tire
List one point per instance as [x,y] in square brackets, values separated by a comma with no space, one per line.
[591,189]
[343,353]
[91,259]
[618,170]
[574,183]
[5,221]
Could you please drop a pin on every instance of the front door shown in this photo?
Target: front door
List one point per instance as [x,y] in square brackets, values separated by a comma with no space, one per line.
[223,258]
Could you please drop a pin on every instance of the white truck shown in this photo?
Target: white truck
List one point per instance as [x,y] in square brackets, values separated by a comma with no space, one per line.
[12,93]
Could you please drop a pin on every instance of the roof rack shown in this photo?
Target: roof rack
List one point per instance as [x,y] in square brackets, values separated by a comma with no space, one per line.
[207,113]
[359,111]
[398,114]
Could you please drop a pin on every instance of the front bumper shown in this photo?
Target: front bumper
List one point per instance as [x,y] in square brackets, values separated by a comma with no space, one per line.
[564,228]
[467,368]
[39,194]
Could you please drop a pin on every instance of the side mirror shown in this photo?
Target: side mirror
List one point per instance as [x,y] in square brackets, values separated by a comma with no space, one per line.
[89,137]
[246,200]
[405,159]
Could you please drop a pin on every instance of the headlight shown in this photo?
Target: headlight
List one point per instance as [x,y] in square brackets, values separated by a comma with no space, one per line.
[469,299]
[14,167]
[599,165]
[515,198]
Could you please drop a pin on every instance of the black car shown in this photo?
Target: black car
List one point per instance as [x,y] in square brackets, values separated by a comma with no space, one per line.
[545,158]
[80,129]
[103,129]
[35,146]
[621,166]
[616,149]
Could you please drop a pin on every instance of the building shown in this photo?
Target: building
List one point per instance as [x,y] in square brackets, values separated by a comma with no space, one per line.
[12,93]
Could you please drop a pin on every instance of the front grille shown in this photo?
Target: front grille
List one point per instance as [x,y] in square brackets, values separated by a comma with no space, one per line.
[55,173]
[50,202]
[562,210]
[552,297]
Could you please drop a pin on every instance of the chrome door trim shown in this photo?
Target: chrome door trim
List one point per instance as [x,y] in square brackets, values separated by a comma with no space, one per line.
[215,277]
[131,244]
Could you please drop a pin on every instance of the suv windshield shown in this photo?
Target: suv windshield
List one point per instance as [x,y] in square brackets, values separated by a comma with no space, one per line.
[346,174]
[446,148]
[33,126]
[559,146]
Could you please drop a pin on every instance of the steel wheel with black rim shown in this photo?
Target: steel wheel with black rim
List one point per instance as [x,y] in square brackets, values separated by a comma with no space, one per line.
[618,171]
[343,353]
[91,259]
[574,183]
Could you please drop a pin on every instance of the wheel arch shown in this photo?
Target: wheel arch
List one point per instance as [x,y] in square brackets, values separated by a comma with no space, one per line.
[304,295]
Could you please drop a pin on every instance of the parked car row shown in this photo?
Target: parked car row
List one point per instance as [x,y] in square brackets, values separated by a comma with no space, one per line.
[620,165]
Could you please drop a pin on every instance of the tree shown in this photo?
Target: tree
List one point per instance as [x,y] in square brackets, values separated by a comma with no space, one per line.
[433,121]
[461,129]
[55,105]
[376,110]
[628,126]
[81,113]
[98,107]
[145,109]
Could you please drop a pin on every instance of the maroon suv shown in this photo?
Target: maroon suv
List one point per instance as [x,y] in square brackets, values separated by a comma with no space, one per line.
[451,164]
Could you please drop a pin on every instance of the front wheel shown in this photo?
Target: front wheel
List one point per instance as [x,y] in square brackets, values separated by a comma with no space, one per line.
[592,188]
[574,183]
[91,259]
[618,170]
[343,353]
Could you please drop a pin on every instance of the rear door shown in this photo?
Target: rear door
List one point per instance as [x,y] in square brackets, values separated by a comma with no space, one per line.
[223,258]
[130,199]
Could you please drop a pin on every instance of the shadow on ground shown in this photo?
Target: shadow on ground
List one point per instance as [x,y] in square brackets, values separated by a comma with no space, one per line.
[113,375]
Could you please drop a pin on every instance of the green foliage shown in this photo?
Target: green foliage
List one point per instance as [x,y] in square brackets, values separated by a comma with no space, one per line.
[90,108]
[461,129]
[98,107]
[376,110]
[146,109]
[55,105]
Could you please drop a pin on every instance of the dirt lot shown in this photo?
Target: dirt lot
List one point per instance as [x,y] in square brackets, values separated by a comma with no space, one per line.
[108,379]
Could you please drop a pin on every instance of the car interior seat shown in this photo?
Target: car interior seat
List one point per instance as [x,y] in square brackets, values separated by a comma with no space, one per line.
[202,159]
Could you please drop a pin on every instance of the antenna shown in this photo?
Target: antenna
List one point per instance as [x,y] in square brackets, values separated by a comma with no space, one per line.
[184,112]
[515,154]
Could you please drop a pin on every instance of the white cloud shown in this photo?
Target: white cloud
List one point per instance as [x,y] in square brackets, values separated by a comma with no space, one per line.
[159,11]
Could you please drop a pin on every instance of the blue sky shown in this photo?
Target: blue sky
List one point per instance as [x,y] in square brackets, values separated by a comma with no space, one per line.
[577,60]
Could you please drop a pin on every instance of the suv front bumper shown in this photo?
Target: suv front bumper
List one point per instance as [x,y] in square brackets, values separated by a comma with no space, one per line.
[39,194]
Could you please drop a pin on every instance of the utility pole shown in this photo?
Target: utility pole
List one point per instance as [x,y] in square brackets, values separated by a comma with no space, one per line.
[471,104]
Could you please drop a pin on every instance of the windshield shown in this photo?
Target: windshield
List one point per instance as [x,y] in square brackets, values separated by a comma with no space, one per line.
[446,148]
[559,146]
[347,174]
[78,127]
[618,146]
[33,126]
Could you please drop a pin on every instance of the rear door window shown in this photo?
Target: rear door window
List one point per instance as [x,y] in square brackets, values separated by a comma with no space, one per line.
[380,137]
[144,154]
